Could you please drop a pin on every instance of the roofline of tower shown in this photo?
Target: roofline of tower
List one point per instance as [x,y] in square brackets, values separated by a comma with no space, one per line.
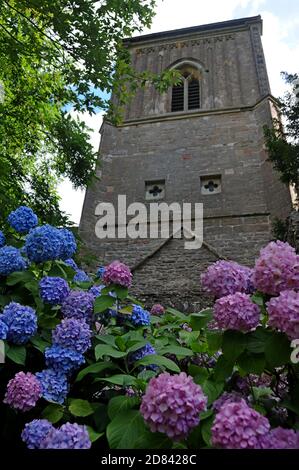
[222,25]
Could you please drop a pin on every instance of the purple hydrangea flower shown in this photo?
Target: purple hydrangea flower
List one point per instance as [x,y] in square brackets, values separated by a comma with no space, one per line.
[236,312]
[172,404]
[3,329]
[100,272]
[68,244]
[140,317]
[63,360]
[226,277]
[96,290]
[79,305]
[22,219]
[21,322]
[225,398]
[81,276]
[72,334]
[186,327]
[69,436]
[157,309]
[70,262]
[276,269]
[11,260]
[280,438]
[53,290]
[23,391]
[2,239]
[35,432]
[43,244]
[117,273]
[54,385]
[284,313]
[237,426]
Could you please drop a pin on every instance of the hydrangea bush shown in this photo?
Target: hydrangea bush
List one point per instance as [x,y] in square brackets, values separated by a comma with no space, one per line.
[85,361]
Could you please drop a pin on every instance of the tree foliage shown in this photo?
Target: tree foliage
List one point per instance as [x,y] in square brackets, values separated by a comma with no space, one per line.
[283,144]
[57,55]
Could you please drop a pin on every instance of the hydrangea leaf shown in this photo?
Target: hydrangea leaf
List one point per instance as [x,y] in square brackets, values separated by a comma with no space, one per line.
[122,403]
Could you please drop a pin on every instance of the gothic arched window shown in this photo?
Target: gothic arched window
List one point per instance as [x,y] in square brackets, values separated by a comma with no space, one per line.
[186,94]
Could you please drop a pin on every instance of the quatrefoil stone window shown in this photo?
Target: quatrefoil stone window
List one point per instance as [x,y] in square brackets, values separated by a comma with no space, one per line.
[210,184]
[154,190]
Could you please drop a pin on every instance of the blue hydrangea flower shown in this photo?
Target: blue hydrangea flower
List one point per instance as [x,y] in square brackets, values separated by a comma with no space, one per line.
[142,352]
[53,290]
[81,276]
[3,330]
[2,239]
[96,290]
[68,436]
[54,385]
[22,219]
[70,262]
[35,432]
[72,334]
[63,360]
[11,260]
[68,244]
[79,305]
[140,317]
[43,244]
[21,321]
[100,272]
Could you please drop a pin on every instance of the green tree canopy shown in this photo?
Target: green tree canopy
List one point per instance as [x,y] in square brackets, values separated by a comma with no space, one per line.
[55,55]
[283,142]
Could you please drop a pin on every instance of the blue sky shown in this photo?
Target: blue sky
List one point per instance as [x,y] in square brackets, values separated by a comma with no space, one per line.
[280,41]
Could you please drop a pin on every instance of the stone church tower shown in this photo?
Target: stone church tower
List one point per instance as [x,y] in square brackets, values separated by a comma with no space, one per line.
[200,142]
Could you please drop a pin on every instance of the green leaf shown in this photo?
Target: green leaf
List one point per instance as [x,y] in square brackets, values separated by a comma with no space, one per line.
[259,392]
[80,407]
[120,343]
[258,299]
[256,341]
[252,363]
[233,344]
[153,440]
[95,368]
[199,320]
[119,379]
[223,369]
[39,343]
[48,323]
[121,292]
[179,315]
[137,345]
[125,430]
[212,390]
[158,361]
[214,339]
[94,435]
[107,350]
[176,350]
[53,412]
[107,339]
[19,276]
[17,354]
[120,404]
[278,350]
[102,303]
[206,430]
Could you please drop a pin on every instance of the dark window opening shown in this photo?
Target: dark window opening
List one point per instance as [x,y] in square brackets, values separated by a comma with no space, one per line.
[193,94]
[177,103]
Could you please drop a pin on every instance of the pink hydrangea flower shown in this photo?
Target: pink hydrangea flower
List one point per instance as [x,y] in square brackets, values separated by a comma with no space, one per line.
[157,309]
[276,269]
[236,312]
[284,313]
[280,438]
[172,404]
[23,391]
[117,273]
[237,426]
[226,277]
